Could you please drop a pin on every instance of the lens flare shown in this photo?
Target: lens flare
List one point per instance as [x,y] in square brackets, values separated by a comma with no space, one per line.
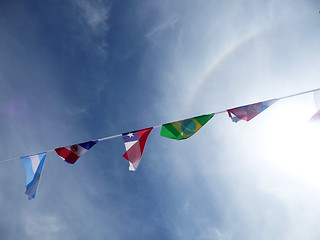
[293,142]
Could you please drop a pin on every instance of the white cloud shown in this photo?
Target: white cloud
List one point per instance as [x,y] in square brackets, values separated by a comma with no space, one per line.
[161,27]
[96,15]
[42,226]
[211,233]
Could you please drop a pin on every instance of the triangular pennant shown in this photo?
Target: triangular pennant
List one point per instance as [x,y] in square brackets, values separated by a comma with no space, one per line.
[248,112]
[134,143]
[185,128]
[316,117]
[316,97]
[71,153]
[33,165]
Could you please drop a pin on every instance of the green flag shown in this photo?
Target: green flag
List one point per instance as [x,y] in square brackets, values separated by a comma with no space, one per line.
[185,128]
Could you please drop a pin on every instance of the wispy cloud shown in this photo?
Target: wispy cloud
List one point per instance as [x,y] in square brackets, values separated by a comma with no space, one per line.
[161,27]
[212,233]
[96,15]
[41,226]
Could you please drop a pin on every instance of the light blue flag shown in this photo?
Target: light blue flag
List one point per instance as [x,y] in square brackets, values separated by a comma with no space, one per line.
[33,165]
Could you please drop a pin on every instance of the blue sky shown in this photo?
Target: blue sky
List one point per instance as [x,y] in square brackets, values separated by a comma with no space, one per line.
[77,70]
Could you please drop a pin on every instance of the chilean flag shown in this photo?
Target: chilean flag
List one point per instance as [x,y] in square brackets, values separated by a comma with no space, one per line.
[134,143]
[248,112]
[71,153]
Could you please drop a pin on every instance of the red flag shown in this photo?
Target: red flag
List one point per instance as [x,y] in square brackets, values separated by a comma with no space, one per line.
[248,112]
[71,153]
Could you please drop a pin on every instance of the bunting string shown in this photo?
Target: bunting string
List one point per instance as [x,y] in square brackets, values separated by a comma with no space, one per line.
[157,126]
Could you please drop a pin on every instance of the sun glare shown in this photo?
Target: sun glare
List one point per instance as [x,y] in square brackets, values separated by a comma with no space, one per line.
[292,142]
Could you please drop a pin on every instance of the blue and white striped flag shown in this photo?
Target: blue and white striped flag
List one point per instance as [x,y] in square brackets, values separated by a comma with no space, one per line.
[33,165]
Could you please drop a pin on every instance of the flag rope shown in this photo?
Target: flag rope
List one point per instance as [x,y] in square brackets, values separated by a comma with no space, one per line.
[119,135]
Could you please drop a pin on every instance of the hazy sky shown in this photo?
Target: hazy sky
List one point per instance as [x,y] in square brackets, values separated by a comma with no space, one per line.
[77,70]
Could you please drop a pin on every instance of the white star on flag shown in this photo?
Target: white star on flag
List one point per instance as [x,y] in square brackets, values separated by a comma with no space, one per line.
[130,135]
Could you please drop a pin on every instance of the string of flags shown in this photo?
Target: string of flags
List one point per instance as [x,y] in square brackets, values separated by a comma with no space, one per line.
[135,141]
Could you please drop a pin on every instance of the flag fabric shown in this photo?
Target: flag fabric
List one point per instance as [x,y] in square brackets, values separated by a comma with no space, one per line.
[33,165]
[248,112]
[71,153]
[185,128]
[316,97]
[316,117]
[134,143]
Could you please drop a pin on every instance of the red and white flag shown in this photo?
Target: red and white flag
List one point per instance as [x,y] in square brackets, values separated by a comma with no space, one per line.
[71,153]
[248,112]
[134,143]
